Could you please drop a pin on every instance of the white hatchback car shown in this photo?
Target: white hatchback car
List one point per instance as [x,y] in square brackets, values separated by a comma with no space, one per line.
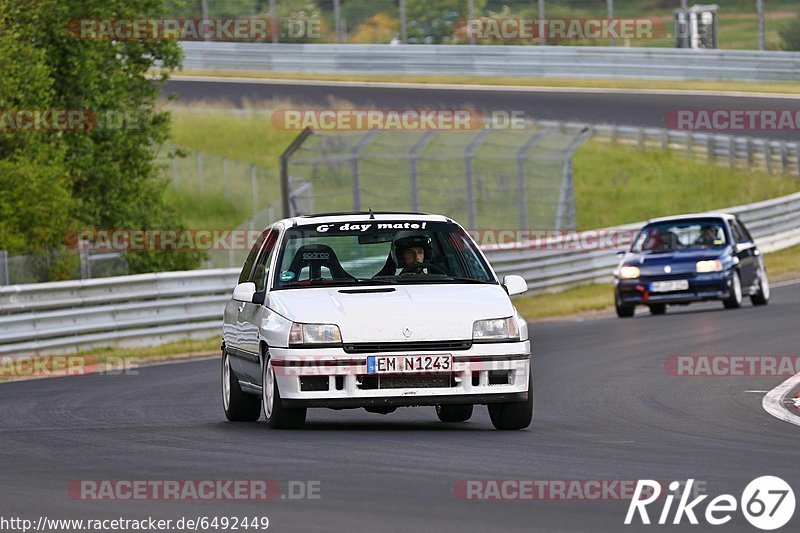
[375,310]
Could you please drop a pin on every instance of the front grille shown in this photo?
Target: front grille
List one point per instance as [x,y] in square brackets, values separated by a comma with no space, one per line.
[425,346]
[405,381]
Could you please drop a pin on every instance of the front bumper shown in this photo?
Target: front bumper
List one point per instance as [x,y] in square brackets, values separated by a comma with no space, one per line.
[329,377]
[710,286]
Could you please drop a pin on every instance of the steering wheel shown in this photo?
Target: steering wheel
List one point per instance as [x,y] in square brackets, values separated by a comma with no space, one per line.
[409,269]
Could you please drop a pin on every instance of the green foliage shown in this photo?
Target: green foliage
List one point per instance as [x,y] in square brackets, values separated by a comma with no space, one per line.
[790,35]
[105,177]
[432,21]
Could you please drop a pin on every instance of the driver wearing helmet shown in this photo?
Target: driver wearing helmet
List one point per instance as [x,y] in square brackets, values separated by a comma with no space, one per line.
[410,248]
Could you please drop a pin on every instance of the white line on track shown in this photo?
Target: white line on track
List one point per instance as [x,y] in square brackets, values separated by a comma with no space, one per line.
[488,88]
[773,401]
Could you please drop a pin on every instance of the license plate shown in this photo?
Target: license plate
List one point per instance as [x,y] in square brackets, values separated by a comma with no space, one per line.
[669,286]
[402,364]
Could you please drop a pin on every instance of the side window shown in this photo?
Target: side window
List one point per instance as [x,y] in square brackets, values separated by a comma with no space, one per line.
[738,236]
[261,271]
[251,258]
[745,233]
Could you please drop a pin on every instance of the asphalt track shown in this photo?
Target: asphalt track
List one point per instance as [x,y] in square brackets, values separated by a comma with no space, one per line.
[609,107]
[605,409]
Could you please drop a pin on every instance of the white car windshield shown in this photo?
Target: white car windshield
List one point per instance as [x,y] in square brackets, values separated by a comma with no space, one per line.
[381,252]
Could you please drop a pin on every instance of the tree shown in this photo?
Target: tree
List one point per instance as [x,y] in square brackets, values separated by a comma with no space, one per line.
[432,21]
[106,177]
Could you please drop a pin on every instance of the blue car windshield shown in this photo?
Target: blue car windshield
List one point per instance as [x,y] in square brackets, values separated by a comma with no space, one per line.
[670,236]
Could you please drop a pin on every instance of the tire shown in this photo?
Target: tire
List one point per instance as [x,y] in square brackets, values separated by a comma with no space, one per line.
[513,415]
[735,299]
[278,416]
[238,405]
[454,413]
[658,309]
[624,311]
[761,296]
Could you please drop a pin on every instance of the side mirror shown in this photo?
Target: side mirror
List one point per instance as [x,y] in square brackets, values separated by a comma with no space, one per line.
[620,253]
[244,292]
[515,284]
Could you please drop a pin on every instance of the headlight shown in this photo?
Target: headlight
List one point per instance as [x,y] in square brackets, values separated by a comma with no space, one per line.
[496,330]
[301,334]
[709,266]
[629,272]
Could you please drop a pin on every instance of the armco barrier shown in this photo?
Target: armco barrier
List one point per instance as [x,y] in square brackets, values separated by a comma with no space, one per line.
[153,308]
[475,60]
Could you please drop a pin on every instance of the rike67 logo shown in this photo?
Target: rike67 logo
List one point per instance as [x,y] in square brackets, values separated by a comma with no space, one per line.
[767,503]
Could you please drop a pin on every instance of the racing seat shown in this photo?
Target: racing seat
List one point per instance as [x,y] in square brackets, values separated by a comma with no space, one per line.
[389,268]
[316,256]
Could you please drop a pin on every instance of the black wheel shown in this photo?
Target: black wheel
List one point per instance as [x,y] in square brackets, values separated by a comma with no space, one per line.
[734,301]
[239,406]
[513,415]
[624,311]
[761,296]
[454,413]
[278,416]
[658,309]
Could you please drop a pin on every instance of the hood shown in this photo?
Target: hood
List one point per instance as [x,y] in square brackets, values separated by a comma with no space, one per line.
[680,261]
[429,312]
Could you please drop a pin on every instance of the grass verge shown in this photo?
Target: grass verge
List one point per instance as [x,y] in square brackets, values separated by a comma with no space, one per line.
[589,83]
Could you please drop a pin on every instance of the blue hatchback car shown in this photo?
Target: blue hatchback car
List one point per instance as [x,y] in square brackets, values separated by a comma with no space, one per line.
[690,258]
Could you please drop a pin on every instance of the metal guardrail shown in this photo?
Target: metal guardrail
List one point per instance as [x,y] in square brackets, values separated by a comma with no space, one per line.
[147,308]
[476,60]
[735,151]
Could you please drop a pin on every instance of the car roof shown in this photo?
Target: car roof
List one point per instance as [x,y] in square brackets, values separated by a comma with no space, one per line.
[332,218]
[725,216]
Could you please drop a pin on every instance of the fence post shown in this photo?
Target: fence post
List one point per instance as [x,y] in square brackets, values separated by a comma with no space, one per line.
[784,158]
[749,151]
[225,178]
[86,263]
[469,153]
[355,156]
[254,187]
[732,151]
[689,149]
[199,169]
[641,139]
[175,173]
[664,139]
[413,184]
[797,155]
[522,184]
[4,275]
[768,155]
